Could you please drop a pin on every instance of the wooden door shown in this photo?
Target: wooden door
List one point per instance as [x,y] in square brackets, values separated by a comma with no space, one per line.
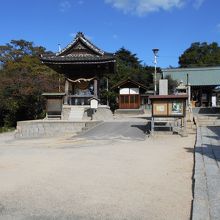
[129,101]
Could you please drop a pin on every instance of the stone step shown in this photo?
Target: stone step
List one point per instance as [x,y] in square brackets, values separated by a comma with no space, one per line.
[129,111]
[216,123]
[206,119]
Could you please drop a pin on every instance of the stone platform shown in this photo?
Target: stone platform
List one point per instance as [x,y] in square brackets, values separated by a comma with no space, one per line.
[47,128]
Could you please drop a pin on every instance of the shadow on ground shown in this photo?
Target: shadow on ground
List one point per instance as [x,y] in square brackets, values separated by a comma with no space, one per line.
[210,149]
[144,128]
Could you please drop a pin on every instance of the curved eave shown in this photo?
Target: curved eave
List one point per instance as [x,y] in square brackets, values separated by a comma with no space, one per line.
[70,62]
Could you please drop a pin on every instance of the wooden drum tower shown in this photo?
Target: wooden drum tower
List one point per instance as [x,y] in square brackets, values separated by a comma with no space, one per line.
[83,65]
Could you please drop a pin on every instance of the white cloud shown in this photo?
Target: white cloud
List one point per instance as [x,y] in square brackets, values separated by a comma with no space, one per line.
[141,7]
[198,3]
[64,6]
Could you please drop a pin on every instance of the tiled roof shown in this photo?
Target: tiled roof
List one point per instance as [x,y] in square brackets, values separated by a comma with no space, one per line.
[204,76]
[80,36]
[76,59]
[81,50]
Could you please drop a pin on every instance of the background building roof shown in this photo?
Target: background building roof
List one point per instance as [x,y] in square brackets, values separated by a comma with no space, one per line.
[197,76]
[129,83]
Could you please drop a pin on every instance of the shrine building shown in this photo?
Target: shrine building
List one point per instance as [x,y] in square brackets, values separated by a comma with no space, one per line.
[203,84]
[83,65]
[131,94]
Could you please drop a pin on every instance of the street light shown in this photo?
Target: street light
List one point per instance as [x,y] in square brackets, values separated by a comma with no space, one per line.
[155,51]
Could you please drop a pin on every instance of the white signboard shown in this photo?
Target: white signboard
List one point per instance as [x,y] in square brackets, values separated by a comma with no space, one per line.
[94,103]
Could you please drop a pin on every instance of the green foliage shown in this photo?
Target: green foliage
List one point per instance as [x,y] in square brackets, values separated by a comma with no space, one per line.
[200,55]
[23,80]
[129,66]
[127,58]
[17,49]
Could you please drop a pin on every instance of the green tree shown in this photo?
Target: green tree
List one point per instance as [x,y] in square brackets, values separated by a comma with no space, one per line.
[127,58]
[128,66]
[200,55]
[23,80]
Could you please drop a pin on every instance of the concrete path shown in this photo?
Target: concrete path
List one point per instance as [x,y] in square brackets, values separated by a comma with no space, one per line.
[206,204]
[123,130]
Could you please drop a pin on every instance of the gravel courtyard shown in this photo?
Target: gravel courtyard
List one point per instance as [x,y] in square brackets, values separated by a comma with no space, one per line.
[65,178]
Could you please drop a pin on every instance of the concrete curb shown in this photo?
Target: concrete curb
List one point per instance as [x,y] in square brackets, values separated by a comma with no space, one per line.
[206,198]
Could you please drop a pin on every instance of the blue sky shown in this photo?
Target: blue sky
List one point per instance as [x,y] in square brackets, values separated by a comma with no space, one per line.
[137,25]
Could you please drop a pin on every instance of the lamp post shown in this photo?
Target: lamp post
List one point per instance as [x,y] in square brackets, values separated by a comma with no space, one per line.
[155,51]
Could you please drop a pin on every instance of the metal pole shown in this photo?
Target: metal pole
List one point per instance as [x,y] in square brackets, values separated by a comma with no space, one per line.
[155,51]
[155,74]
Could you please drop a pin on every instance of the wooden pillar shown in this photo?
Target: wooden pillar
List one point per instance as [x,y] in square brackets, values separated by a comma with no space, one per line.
[95,88]
[66,92]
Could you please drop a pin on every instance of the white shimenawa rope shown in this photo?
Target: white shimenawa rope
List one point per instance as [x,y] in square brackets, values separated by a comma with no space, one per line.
[80,79]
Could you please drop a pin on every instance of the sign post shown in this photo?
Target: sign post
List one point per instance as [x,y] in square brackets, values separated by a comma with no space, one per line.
[168,108]
[54,105]
[93,105]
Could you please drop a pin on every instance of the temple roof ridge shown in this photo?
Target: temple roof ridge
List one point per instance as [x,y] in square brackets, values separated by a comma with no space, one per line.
[79,51]
[80,36]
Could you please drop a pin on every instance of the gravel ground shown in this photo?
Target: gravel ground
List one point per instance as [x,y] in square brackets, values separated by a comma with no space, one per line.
[65,178]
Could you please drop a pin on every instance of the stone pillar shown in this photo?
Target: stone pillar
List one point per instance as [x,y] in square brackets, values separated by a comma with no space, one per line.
[189,107]
[95,88]
[163,87]
[189,95]
[66,92]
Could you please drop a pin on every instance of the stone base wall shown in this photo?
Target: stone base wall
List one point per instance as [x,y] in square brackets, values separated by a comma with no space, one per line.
[65,112]
[47,128]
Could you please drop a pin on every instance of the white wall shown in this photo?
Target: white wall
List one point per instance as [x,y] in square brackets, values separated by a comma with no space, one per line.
[127,91]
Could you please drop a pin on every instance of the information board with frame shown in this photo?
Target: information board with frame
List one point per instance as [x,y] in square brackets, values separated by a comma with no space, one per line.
[168,105]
